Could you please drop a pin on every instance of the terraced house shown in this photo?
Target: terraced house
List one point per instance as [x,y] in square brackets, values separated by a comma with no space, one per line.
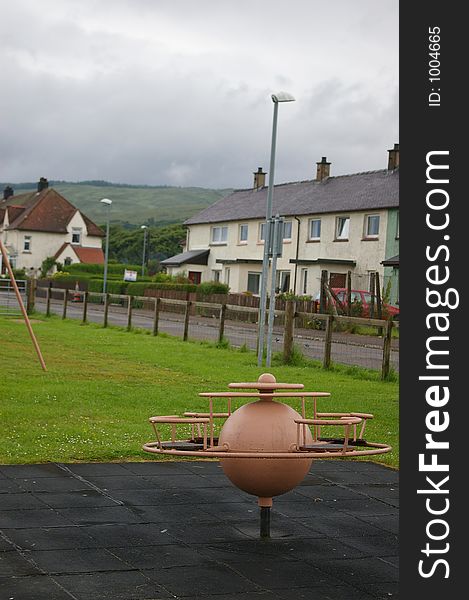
[42,224]
[339,224]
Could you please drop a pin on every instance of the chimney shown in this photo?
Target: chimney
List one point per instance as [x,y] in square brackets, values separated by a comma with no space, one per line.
[322,171]
[393,160]
[259,179]
[42,184]
[8,192]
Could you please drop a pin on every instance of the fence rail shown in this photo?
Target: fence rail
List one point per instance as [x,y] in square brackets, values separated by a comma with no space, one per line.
[288,316]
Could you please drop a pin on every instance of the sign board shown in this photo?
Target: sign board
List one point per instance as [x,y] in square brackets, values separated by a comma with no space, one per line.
[130,275]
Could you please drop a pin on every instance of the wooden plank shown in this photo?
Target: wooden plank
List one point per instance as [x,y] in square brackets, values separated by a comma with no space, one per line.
[85,306]
[288,330]
[106,309]
[386,350]
[64,311]
[187,314]
[221,330]
[129,312]
[156,316]
[328,342]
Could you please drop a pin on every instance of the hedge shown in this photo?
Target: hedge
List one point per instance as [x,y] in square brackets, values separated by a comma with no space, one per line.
[212,287]
[112,268]
[112,286]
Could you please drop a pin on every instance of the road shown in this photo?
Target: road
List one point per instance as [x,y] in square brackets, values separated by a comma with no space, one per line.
[349,349]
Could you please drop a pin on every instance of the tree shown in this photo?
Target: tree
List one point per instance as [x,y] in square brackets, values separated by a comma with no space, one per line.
[126,245]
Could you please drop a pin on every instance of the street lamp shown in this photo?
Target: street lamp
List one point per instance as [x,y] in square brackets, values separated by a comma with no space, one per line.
[145,229]
[276,99]
[108,203]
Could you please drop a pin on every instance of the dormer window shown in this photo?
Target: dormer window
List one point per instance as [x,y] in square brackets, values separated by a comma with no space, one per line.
[76,235]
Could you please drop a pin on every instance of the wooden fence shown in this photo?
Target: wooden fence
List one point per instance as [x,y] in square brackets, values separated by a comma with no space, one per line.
[289,317]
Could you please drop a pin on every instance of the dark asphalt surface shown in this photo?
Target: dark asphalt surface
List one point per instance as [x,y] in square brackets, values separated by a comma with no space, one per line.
[158,530]
[360,350]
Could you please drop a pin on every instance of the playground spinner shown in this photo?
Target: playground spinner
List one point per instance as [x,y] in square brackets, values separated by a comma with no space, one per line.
[265,447]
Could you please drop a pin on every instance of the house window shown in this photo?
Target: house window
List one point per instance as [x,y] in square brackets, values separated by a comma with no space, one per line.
[216,275]
[219,235]
[261,232]
[283,281]
[67,261]
[227,276]
[304,281]
[342,226]
[254,282]
[371,226]
[287,227]
[76,235]
[27,243]
[243,234]
[315,229]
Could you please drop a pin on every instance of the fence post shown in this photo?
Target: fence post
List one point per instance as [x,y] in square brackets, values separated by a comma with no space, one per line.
[379,302]
[221,331]
[156,316]
[186,320]
[48,296]
[64,312]
[106,308]
[290,309]
[31,296]
[373,292]
[349,293]
[322,297]
[328,342]
[85,306]
[387,349]
[129,312]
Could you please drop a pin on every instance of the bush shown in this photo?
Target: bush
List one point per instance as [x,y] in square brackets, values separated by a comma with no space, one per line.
[212,287]
[112,286]
[137,288]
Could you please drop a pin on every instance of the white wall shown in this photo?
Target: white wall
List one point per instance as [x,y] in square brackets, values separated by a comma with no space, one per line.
[367,254]
[44,244]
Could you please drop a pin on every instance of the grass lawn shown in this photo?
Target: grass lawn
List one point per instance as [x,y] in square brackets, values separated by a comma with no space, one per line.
[101,386]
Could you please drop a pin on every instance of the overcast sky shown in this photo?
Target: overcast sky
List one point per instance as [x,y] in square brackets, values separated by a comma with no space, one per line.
[177,92]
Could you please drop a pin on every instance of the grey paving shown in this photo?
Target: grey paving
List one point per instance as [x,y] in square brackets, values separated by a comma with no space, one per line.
[156,530]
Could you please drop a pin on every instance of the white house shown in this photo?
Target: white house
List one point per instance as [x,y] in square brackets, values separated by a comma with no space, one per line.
[339,224]
[42,224]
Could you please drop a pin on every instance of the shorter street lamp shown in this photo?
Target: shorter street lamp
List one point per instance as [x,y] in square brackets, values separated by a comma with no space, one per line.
[108,203]
[145,230]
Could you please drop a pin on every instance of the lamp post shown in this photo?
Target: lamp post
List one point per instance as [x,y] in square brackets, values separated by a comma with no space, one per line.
[145,229]
[108,203]
[276,99]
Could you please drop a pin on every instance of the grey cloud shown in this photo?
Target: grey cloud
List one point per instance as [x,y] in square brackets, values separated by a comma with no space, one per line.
[99,96]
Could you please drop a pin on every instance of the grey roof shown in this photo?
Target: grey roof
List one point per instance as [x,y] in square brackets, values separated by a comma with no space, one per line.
[194,257]
[346,193]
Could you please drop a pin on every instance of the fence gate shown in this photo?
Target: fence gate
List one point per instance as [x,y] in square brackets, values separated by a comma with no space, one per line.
[8,301]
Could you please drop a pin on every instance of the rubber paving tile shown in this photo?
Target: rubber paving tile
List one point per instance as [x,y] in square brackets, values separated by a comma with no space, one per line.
[157,530]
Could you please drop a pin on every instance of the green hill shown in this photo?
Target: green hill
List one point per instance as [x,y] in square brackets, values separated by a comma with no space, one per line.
[132,204]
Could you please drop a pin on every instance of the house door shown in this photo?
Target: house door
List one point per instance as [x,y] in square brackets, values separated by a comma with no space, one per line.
[195,277]
[337,280]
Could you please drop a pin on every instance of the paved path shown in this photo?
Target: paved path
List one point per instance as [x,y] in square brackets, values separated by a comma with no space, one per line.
[360,350]
[157,530]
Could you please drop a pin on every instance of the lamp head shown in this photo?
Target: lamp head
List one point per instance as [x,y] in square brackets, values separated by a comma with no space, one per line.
[106,201]
[143,227]
[282,97]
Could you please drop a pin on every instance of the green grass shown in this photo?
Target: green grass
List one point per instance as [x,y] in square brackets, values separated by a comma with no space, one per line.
[101,386]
